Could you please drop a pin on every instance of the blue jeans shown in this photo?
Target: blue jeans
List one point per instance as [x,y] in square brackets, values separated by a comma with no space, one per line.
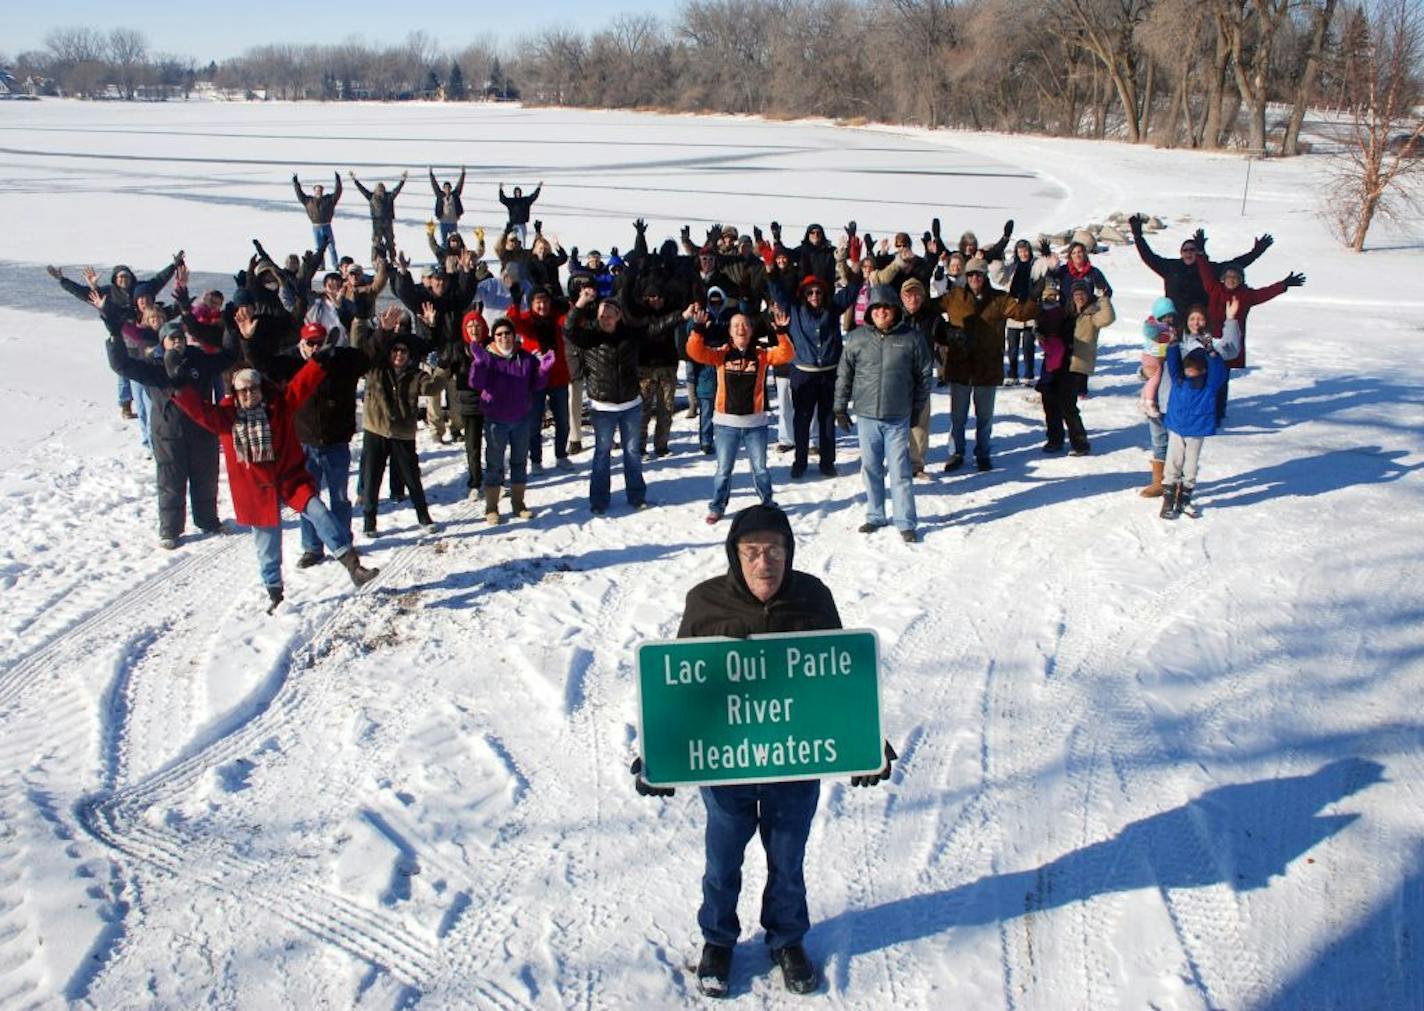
[268,540]
[629,425]
[960,397]
[141,404]
[448,229]
[501,437]
[706,407]
[125,392]
[324,231]
[885,444]
[728,440]
[785,436]
[1157,433]
[782,814]
[330,466]
[558,402]
[1020,337]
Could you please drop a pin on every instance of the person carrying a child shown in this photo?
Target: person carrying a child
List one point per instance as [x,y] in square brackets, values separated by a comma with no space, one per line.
[1190,413]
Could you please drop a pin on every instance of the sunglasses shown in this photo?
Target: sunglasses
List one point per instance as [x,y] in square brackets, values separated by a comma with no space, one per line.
[244,389]
[311,344]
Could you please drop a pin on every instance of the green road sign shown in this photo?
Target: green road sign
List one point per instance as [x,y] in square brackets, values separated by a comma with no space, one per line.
[799,705]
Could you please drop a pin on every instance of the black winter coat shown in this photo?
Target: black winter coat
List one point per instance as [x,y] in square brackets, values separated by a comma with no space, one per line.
[610,361]
[725,606]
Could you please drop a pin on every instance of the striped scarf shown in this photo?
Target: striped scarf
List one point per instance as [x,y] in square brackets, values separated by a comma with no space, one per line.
[252,435]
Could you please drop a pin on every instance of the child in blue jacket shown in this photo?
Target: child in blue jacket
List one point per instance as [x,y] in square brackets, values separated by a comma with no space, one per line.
[1190,418]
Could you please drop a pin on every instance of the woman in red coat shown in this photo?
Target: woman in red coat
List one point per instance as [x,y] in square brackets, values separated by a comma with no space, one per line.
[266,467]
[1232,285]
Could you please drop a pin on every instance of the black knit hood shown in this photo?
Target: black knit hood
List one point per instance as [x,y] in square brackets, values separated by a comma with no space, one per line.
[755,519]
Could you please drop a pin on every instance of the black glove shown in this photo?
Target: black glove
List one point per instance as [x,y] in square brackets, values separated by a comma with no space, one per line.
[1265,242]
[939,272]
[843,421]
[326,357]
[713,234]
[516,290]
[1043,249]
[612,250]
[934,227]
[876,778]
[925,238]
[173,363]
[538,226]
[644,788]
[1199,237]
[1135,224]
[573,254]
[1294,280]
[776,230]
[867,244]
[686,233]
[640,226]
[756,233]
[850,229]
[1008,228]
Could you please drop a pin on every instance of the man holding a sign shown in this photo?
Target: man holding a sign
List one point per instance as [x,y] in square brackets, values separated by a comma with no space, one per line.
[753,721]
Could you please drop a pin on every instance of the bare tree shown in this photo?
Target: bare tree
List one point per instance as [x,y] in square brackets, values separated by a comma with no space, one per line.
[1322,12]
[1251,28]
[128,52]
[1104,29]
[1383,162]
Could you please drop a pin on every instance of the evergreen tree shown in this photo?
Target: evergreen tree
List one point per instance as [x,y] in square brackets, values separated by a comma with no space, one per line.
[455,89]
[432,84]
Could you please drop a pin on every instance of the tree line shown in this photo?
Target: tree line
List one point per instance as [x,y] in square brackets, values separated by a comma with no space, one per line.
[1206,74]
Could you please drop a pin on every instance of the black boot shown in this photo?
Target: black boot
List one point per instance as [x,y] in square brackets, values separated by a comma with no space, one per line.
[274,594]
[797,972]
[714,971]
[1184,501]
[1169,501]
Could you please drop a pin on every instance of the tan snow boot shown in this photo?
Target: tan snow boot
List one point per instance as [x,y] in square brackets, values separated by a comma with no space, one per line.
[492,504]
[1154,490]
[516,502]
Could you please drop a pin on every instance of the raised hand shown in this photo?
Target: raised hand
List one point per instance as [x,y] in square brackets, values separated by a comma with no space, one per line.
[640,226]
[55,272]
[1233,306]
[1135,224]
[779,318]
[700,318]
[776,230]
[180,275]
[245,321]
[850,229]
[1199,237]
[96,300]
[1265,242]
[403,262]
[934,227]
[391,318]
[428,315]
[91,277]
[178,256]
[1294,280]
[538,227]
[480,235]
[1008,228]
[586,297]
[430,226]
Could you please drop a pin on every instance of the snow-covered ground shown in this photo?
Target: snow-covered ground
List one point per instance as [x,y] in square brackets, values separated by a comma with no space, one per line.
[1143,764]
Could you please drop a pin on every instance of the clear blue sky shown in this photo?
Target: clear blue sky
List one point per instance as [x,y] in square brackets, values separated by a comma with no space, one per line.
[215,31]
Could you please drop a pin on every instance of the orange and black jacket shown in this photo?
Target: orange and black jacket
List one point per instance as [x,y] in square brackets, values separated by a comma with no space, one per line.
[741,375]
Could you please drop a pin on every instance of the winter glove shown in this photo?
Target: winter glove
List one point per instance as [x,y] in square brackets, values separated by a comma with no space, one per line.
[925,238]
[776,230]
[326,357]
[713,234]
[843,421]
[173,364]
[516,292]
[756,234]
[644,788]
[612,250]
[686,233]
[876,778]
[1264,243]
[479,235]
[1294,280]
[934,227]
[1135,224]
[850,229]
[430,226]
[640,226]
[1008,228]
[538,226]
[867,242]
[1199,237]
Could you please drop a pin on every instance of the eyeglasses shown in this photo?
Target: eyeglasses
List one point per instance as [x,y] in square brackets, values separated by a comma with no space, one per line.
[400,351]
[311,344]
[244,389]
[752,552]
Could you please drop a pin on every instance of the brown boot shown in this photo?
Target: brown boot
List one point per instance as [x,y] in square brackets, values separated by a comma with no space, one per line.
[492,504]
[360,575]
[126,411]
[1154,490]
[516,502]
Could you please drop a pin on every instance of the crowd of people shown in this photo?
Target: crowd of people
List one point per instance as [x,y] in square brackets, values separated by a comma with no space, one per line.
[534,344]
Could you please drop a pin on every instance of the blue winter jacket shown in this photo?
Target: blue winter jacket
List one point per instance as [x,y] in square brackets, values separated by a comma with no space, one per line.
[1191,411]
[815,336]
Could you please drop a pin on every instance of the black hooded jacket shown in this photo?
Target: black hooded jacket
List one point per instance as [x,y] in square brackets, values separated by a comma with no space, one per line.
[725,606]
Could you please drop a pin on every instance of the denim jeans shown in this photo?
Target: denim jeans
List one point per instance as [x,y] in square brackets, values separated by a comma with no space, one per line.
[885,445]
[501,437]
[1020,337]
[785,432]
[960,397]
[728,439]
[706,407]
[320,231]
[141,405]
[268,540]
[628,424]
[558,401]
[330,466]
[1157,434]
[447,229]
[125,392]
[782,813]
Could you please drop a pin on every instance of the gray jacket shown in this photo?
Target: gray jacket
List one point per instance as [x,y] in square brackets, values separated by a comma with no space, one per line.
[886,375]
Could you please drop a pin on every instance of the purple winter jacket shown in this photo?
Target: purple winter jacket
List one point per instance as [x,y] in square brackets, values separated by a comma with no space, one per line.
[507,385]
